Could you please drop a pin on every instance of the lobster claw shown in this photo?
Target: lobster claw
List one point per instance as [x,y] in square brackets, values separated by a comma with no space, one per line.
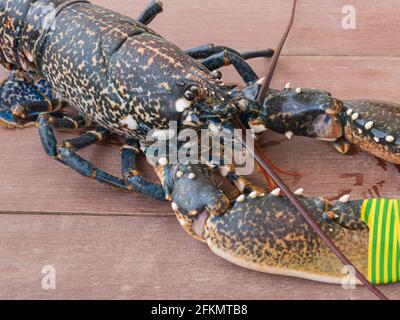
[303,112]
[267,234]
[195,196]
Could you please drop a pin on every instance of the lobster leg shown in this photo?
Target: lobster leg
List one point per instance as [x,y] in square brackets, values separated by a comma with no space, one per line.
[133,180]
[65,152]
[22,100]
[210,52]
[227,58]
[241,183]
[154,8]
[207,50]
[29,111]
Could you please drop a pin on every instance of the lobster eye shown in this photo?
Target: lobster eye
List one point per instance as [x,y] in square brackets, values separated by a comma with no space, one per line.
[192,92]
[189,95]
[216,74]
[195,89]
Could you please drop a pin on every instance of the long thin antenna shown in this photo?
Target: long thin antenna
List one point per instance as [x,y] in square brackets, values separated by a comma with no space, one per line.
[267,81]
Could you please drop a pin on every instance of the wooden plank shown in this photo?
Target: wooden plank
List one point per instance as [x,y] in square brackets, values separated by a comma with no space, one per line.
[133,258]
[255,24]
[33,182]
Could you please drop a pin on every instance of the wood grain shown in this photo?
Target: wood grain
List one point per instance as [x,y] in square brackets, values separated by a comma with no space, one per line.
[109,244]
[133,258]
[255,24]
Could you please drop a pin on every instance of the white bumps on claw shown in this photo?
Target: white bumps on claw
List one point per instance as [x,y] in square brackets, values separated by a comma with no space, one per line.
[355,116]
[191,176]
[253,195]
[360,131]
[390,139]
[179,174]
[182,104]
[260,81]
[377,140]
[369,125]
[289,135]
[349,112]
[163,161]
[258,128]
[241,198]
[299,192]
[287,86]
[298,90]
[174,206]
[276,192]
[344,199]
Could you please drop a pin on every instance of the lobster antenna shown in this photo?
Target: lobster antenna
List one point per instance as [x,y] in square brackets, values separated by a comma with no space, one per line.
[267,81]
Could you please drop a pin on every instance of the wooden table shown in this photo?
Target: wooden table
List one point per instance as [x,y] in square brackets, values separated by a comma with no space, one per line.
[108,244]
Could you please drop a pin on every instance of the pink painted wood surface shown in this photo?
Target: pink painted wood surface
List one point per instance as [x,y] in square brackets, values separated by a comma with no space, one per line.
[133,258]
[109,244]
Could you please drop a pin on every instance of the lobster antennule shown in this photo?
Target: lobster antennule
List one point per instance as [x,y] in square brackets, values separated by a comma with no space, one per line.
[267,81]
[275,167]
[269,181]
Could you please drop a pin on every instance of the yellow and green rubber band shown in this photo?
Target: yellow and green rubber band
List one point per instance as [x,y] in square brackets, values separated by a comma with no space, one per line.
[383,218]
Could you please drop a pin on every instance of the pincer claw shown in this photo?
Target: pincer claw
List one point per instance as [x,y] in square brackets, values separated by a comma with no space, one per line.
[195,196]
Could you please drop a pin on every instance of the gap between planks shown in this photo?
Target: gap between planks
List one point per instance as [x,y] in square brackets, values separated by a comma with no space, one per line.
[87,214]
